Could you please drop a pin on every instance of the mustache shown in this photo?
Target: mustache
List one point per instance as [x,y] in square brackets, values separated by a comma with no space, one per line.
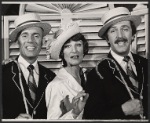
[120,39]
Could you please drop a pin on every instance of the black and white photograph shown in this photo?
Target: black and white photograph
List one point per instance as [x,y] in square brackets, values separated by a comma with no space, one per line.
[75,61]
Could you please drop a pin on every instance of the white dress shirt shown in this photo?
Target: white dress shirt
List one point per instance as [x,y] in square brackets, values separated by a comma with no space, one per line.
[63,84]
[24,64]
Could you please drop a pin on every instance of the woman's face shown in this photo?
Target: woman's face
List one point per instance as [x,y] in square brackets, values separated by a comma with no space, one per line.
[73,52]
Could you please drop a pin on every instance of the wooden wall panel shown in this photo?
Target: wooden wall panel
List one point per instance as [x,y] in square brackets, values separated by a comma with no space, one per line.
[89,17]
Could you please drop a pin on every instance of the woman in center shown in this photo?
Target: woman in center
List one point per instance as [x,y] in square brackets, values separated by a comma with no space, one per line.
[65,95]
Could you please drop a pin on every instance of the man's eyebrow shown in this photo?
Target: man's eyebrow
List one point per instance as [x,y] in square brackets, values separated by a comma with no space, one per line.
[121,26]
[24,33]
[32,33]
[113,27]
[36,33]
[125,26]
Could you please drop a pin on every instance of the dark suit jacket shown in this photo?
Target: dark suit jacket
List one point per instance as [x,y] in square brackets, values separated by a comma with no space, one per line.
[12,99]
[107,94]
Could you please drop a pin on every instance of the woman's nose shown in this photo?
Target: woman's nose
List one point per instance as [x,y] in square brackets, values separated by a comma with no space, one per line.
[74,48]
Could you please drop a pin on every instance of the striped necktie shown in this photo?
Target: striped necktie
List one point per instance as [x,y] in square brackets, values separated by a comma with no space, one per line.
[130,72]
[31,83]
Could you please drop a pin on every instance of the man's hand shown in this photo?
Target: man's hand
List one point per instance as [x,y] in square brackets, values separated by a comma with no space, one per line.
[24,116]
[132,107]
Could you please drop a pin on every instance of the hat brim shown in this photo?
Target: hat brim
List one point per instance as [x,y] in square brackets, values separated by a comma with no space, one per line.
[134,18]
[45,26]
[59,42]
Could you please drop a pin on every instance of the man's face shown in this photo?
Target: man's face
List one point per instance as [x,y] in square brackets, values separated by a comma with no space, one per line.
[120,37]
[30,42]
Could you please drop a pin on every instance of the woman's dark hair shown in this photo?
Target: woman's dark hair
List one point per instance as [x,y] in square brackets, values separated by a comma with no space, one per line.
[76,37]
[133,27]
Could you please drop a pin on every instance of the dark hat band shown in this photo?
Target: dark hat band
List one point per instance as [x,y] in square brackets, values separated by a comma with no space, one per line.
[115,17]
[28,22]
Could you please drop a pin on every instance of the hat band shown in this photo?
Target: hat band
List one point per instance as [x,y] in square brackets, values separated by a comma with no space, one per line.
[28,22]
[115,17]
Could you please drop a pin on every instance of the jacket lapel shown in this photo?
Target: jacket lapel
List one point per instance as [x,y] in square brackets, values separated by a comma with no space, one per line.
[140,74]
[43,81]
[124,75]
[115,71]
[27,92]
[15,75]
[15,78]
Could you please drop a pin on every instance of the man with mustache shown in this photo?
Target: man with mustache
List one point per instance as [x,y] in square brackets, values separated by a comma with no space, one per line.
[118,86]
[25,79]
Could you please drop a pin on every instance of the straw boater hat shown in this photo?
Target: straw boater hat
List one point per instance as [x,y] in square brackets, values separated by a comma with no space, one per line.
[28,20]
[55,47]
[116,15]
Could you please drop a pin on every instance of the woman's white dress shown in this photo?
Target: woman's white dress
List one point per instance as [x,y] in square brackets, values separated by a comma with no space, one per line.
[63,84]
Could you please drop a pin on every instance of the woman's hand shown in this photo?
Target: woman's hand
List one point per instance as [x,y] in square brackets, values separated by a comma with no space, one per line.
[79,102]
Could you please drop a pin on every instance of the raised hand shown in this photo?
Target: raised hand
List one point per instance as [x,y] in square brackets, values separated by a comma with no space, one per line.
[78,103]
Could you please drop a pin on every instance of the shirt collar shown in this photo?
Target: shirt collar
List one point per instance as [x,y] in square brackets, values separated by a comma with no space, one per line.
[119,58]
[25,64]
[131,57]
